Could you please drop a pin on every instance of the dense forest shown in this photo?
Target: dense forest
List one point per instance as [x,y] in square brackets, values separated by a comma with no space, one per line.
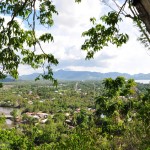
[91,115]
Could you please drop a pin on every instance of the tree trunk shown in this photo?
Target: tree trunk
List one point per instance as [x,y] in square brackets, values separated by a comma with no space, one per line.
[143,8]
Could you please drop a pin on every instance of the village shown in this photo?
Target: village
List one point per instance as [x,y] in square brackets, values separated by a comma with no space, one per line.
[19,114]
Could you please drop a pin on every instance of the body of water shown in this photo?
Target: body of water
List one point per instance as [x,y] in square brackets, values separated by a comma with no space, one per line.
[6,111]
[143,81]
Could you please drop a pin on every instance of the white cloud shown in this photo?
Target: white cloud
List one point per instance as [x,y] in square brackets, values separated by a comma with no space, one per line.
[73,19]
[24,70]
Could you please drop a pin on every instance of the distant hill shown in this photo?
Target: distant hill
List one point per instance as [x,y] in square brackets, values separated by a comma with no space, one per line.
[87,75]
[8,80]
[29,77]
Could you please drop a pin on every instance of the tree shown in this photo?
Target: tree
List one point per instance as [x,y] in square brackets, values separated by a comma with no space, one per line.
[19,46]
[2,121]
[144,12]
[1,85]
[114,108]
[114,87]
[107,31]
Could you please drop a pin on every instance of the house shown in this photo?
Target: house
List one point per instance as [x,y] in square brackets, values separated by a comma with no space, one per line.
[42,115]
[30,102]
[38,115]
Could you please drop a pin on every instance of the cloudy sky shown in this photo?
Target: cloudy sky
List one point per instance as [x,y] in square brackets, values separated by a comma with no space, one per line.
[73,19]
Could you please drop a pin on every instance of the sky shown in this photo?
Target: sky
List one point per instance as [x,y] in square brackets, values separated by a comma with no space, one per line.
[73,19]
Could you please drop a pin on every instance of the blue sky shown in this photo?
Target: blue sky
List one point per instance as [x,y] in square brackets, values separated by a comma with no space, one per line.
[73,19]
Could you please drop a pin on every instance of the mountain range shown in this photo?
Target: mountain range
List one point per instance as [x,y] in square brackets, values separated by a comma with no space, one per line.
[87,75]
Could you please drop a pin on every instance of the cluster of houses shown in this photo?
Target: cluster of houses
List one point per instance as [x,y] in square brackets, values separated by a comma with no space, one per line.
[41,117]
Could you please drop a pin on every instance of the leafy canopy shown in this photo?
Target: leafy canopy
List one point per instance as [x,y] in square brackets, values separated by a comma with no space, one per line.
[107,30]
[103,33]
[20,46]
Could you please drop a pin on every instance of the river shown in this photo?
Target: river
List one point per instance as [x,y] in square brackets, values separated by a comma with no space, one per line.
[143,81]
[6,111]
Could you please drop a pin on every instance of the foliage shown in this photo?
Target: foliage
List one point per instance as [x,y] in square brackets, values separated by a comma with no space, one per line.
[1,85]
[119,120]
[119,86]
[107,31]
[19,46]
[2,121]
[103,33]
[121,116]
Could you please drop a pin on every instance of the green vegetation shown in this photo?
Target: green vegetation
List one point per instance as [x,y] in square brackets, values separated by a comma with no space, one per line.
[113,114]
[92,115]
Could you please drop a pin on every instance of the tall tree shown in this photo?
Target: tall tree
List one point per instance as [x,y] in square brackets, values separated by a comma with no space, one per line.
[19,46]
[107,30]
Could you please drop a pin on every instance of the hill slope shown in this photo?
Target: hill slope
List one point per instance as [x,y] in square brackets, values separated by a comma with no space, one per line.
[87,75]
